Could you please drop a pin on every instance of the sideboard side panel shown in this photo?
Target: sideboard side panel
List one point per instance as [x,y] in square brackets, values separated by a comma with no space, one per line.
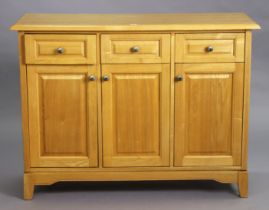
[24,102]
[247,78]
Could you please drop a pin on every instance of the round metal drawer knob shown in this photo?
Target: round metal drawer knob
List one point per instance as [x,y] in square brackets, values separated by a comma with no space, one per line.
[135,49]
[60,50]
[209,49]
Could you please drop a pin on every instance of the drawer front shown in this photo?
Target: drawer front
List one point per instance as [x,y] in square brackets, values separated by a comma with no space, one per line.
[215,47]
[135,48]
[60,49]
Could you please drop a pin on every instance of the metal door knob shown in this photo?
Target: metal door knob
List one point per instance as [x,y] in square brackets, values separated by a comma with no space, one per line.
[105,78]
[178,78]
[92,78]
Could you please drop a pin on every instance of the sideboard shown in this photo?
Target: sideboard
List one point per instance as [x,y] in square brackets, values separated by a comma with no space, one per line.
[128,97]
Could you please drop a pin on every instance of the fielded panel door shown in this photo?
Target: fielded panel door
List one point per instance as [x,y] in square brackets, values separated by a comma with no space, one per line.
[208,114]
[62,113]
[135,108]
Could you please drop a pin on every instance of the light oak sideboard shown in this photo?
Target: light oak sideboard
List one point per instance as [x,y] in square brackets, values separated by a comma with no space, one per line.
[135,97]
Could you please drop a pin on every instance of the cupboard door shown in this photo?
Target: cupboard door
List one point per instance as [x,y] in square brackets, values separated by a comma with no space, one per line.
[208,114]
[135,115]
[62,116]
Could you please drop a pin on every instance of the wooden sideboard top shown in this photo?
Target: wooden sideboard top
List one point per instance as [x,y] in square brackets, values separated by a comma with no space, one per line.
[135,22]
